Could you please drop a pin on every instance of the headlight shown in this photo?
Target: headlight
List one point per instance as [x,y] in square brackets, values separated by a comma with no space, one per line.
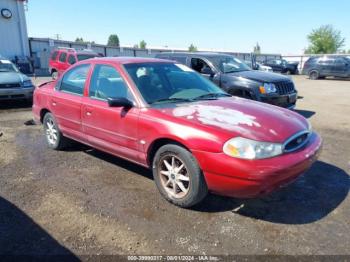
[268,88]
[27,83]
[249,149]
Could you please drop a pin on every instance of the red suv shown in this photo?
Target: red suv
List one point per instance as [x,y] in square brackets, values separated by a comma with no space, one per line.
[62,58]
[163,115]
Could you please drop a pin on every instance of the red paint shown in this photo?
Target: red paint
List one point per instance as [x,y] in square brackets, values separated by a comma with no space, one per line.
[130,134]
[71,57]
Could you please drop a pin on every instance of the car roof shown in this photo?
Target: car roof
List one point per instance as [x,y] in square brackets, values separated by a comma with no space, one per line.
[129,60]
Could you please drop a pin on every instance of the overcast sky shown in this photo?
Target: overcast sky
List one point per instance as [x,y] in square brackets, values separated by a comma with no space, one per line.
[235,25]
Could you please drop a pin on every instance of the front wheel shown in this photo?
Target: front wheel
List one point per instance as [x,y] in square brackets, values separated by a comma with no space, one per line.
[55,139]
[178,176]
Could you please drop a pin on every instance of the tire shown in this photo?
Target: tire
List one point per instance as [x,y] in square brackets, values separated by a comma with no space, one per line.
[54,138]
[190,186]
[314,75]
[289,72]
[54,75]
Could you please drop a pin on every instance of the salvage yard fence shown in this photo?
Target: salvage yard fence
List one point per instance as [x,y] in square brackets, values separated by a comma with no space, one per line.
[41,48]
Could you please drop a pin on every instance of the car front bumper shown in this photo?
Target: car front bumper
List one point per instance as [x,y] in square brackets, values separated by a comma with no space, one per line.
[286,101]
[253,178]
[16,93]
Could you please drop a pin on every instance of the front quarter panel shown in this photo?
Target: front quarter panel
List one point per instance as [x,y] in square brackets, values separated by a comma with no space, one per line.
[154,126]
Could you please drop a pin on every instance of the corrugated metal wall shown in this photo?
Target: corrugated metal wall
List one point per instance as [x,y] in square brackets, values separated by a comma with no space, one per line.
[41,49]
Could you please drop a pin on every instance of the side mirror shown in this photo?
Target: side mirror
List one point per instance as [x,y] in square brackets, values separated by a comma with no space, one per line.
[119,102]
[207,71]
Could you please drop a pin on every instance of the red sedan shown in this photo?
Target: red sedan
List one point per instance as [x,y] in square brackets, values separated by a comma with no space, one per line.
[162,115]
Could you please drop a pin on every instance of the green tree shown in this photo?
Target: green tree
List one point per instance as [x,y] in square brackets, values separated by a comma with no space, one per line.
[192,48]
[257,49]
[325,40]
[113,40]
[79,40]
[143,44]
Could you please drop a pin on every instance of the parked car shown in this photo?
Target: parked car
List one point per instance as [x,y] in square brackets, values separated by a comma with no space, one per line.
[162,115]
[14,84]
[62,58]
[258,66]
[322,66]
[283,66]
[238,79]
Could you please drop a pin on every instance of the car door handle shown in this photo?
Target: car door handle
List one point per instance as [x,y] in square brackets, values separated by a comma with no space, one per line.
[54,103]
[88,113]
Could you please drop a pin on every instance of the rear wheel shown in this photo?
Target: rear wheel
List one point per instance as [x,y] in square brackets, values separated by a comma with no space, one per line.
[314,75]
[178,176]
[54,138]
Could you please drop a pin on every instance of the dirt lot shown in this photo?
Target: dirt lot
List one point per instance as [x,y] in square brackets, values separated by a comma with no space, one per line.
[82,201]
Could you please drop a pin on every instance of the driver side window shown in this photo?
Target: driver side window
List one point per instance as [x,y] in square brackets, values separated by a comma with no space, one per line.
[199,65]
[107,82]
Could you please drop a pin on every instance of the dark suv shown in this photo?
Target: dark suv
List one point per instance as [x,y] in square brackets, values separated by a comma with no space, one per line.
[322,66]
[283,66]
[236,78]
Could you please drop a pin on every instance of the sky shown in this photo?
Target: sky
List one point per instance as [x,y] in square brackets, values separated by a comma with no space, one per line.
[230,25]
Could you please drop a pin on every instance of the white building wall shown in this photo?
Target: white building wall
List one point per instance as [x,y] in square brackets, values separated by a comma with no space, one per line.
[13,31]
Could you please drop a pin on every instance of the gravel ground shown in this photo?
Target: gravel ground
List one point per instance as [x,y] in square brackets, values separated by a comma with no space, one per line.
[85,202]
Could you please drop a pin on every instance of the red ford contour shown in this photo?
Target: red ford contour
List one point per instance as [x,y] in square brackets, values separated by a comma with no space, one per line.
[163,115]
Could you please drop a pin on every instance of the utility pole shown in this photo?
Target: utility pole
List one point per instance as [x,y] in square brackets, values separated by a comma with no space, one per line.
[57,36]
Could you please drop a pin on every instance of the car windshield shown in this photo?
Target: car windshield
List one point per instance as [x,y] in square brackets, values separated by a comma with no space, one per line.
[82,57]
[229,64]
[7,66]
[171,83]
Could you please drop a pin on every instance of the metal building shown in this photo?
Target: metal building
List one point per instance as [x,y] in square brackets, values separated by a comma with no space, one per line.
[13,29]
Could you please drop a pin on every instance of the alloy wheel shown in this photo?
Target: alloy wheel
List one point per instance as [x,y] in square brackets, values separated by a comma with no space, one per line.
[174,176]
[51,132]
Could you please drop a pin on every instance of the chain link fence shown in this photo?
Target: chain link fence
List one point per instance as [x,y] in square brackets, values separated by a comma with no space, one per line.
[41,48]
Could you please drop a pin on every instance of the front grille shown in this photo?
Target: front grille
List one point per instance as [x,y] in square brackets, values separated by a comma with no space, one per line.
[10,85]
[285,88]
[297,141]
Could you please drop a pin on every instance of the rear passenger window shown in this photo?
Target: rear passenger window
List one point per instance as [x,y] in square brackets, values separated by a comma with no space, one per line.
[63,57]
[326,61]
[74,80]
[107,82]
[54,55]
[71,59]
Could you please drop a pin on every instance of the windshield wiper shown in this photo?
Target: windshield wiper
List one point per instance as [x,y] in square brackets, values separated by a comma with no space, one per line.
[212,96]
[174,99]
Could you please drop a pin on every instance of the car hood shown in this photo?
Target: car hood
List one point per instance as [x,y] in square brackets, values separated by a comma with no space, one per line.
[240,117]
[260,76]
[12,77]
